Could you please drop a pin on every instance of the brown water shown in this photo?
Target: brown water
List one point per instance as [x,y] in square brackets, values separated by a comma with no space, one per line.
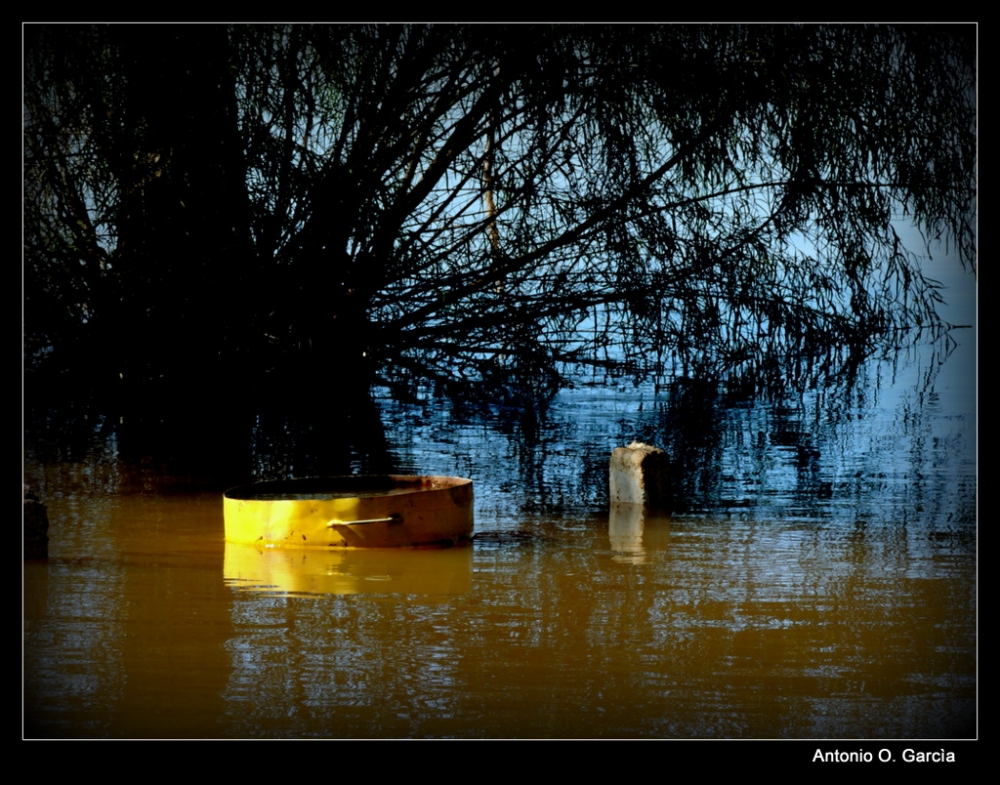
[693,627]
[828,591]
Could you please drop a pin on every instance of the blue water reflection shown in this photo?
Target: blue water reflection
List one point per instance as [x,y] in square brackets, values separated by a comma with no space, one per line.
[898,445]
[818,579]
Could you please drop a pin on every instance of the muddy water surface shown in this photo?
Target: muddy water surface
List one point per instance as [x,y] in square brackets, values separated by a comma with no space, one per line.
[827,589]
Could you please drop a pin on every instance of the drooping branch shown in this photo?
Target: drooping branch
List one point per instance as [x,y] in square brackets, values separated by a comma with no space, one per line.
[501,193]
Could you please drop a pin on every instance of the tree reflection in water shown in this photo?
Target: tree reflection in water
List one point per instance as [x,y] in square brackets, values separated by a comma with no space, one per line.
[874,434]
[817,579]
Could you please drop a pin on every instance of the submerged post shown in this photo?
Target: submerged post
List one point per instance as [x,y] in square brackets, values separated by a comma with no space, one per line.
[36,527]
[639,475]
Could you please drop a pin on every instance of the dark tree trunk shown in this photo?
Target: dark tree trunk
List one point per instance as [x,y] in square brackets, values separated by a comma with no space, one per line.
[185,255]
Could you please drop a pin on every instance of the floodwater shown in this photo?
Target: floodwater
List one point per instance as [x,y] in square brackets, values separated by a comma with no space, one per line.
[818,582]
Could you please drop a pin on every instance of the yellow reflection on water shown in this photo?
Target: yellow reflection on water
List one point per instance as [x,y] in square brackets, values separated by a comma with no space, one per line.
[423,571]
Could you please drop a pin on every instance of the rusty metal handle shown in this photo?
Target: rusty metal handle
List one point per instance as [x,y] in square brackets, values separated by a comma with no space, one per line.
[390,519]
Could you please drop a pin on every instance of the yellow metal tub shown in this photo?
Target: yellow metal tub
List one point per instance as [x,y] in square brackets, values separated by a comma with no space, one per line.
[379,511]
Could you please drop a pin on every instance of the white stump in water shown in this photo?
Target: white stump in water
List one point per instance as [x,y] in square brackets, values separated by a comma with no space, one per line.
[639,475]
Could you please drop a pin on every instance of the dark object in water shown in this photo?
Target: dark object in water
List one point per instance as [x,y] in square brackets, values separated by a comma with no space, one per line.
[36,528]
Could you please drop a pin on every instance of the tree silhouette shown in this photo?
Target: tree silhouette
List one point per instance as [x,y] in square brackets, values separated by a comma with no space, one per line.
[479,203]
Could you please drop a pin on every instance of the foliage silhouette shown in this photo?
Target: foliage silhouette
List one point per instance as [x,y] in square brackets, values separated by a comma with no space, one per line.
[486,203]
